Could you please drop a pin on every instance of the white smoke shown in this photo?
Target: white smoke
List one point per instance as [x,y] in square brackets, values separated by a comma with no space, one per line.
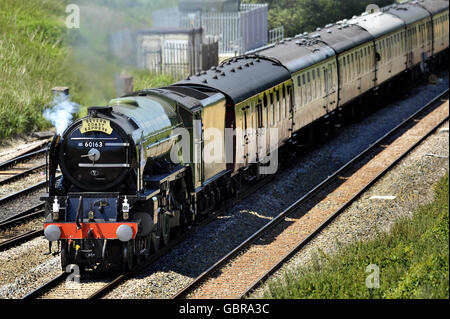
[60,112]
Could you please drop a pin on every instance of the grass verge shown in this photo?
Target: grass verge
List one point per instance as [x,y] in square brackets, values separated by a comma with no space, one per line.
[37,53]
[412,259]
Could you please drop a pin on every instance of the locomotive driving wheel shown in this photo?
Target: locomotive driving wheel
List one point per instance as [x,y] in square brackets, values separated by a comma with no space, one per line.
[127,255]
[143,248]
[165,228]
[65,255]
[156,240]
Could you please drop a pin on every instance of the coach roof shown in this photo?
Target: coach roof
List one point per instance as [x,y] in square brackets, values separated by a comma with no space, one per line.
[433,6]
[379,23]
[408,12]
[298,53]
[241,77]
[342,37]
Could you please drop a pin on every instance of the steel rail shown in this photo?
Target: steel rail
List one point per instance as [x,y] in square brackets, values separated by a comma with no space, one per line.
[34,211]
[20,239]
[25,191]
[22,158]
[182,293]
[21,174]
[46,287]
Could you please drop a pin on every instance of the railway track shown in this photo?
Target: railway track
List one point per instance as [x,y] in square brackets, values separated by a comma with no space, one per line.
[11,236]
[13,155]
[33,160]
[94,291]
[242,270]
[22,166]
[16,228]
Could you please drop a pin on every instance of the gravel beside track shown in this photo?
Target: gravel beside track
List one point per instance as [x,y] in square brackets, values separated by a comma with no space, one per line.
[411,182]
[213,241]
[15,206]
[25,267]
[24,182]
[34,224]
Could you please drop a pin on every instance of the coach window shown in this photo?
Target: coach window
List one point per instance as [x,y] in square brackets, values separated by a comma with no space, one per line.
[304,91]
[358,63]
[397,42]
[272,109]
[349,69]
[265,112]
[259,115]
[313,84]
[415,36]
[318,83]
[278,104]
[299,83]
[288,99]
[363,61]
[388,48]
[353,68]
[308,81]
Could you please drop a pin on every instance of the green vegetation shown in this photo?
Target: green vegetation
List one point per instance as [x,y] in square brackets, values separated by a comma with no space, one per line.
[306,15]
[31,60]
[413,261]
[38,52]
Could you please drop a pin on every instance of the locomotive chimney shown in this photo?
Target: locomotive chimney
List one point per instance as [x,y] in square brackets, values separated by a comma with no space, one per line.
[124,85]
[60,90]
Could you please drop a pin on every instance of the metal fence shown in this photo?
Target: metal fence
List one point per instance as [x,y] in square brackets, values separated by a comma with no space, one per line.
[179,59]
[171,59]
[237,32]
[276,35]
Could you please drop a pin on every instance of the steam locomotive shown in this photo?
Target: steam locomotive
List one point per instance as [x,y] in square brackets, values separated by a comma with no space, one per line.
[126,183]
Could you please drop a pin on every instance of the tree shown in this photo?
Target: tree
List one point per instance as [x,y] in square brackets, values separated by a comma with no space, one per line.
[298,16]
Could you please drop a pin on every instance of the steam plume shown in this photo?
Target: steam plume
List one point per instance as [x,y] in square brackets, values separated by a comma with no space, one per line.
[60,112]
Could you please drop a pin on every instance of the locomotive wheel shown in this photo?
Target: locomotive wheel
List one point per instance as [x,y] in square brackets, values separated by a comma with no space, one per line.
[144,248]
[165,228]
[127,255]
[156,240]
[65,255]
